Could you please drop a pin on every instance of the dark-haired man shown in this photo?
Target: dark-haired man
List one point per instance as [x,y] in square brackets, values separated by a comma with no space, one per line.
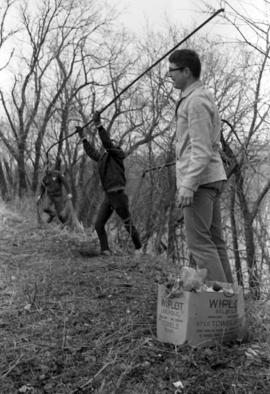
[112,175]
[200,172]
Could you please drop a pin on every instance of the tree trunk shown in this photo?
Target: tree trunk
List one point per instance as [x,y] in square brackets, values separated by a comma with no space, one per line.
[171,252]
[35,179]
[90,198]
[237,260]
[10,179]
[22,187]
[3,184]
[253,278]
[160,246]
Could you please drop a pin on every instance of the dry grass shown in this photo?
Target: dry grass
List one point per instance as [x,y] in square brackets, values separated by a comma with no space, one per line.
[73,325]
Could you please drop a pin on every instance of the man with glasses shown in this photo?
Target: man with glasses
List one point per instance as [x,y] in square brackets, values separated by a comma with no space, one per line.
[200,173]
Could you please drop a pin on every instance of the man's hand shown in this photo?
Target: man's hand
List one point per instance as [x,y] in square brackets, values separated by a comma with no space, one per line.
[80,131]
[96,119]
[185,197]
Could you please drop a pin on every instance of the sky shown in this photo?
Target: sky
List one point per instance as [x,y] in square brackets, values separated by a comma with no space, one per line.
[188,14]
[135,15]
[139,13]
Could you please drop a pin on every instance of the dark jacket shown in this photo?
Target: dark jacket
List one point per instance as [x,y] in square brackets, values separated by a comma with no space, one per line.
[110,162]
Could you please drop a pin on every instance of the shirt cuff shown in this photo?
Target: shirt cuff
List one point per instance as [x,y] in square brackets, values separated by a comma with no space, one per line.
[188,188]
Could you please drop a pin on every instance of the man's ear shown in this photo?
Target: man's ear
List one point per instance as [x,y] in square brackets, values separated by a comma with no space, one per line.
[187,72]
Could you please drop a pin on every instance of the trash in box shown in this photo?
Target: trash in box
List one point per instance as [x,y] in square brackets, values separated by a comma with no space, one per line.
[213,313]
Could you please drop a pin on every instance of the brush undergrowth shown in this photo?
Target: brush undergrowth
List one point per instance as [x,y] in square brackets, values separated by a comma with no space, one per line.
[74,325]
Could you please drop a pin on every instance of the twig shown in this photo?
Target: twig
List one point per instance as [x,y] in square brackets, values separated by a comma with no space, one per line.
[12,367]
[32,297]
[121,378]
[64,339]
[94,377]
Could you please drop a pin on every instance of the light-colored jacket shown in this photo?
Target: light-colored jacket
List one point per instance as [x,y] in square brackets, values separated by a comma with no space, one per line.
[198,160]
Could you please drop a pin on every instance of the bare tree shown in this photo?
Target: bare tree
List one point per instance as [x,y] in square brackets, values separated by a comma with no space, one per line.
[252,129]
[6,35]
[56,36]
[5,32]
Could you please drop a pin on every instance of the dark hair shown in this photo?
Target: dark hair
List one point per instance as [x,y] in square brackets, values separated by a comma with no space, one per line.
[187,58]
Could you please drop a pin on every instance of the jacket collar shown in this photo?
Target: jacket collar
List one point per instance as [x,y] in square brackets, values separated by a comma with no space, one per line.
[195,85]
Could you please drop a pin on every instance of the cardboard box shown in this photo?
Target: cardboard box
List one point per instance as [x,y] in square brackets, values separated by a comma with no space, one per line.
[202,318]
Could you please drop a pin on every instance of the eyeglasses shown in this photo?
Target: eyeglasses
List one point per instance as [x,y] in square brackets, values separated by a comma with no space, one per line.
[175,69]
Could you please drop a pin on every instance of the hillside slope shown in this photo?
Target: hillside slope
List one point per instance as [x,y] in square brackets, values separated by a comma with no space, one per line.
[87,325]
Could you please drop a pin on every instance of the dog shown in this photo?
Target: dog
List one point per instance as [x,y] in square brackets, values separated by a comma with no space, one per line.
[55,200]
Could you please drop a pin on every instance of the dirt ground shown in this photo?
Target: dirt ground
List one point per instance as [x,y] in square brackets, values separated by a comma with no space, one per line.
[70,324]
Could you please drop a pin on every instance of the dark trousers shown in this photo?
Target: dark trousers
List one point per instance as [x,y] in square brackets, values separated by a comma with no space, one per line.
[118,202]
[204,233]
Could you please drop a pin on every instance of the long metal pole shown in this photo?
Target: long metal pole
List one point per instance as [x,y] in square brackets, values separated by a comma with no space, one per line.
[154,64]
[143,73]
